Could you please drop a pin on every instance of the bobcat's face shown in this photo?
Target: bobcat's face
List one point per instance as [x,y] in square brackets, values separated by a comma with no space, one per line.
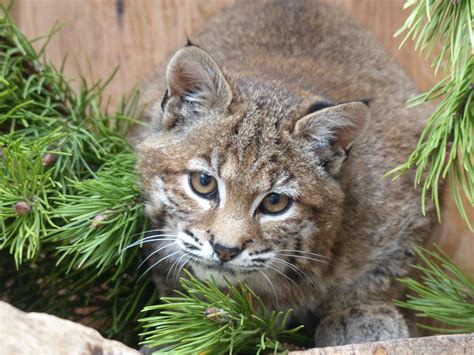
[241,182]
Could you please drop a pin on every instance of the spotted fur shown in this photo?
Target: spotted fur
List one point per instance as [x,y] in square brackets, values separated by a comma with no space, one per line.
[257,103]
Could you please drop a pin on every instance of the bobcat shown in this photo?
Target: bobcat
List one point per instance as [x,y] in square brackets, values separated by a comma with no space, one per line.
[272,133]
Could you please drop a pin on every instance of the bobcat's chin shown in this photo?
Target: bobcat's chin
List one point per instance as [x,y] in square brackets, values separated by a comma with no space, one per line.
[221,273]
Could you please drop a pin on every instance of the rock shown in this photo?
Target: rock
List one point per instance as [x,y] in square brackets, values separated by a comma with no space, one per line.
[441,344]
[43,334]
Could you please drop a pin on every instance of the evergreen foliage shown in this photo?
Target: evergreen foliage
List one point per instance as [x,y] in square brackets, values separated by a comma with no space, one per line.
[204,319]
[446,147]
[444,294]
[445,151]
[69,199]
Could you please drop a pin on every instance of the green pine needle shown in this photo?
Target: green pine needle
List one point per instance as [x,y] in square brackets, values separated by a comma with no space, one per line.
[101,218]
[54,139]
[205,319]
[69,197]
[450,23]
[446,147]
[25,210]
[444,294]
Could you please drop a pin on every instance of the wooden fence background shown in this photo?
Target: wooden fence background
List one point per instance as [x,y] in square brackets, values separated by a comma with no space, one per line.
[138,35]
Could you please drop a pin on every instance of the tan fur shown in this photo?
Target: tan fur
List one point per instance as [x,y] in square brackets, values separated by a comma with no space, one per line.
[238,102]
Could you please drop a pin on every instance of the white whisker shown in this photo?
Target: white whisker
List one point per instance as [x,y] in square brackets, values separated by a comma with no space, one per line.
[153,236]
[304,257]
[138,242]
[295,268]
[158,262]
[158,235]
[175,264]
[154,252]
[304,252]
[282,274]
[153,230]
[178,270]
[275,294]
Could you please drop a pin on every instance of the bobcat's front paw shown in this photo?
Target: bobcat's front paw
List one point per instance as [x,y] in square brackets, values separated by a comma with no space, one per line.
[361,324]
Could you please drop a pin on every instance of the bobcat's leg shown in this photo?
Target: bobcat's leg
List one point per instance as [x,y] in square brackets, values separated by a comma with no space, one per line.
[361,324]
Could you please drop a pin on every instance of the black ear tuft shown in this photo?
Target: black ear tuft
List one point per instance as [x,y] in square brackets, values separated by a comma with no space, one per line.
[319,105]
[366,101]
[190,43]
[166,96]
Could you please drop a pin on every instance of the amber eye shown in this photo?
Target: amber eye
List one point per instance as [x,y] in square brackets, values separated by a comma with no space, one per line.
[275,203]
[203,184]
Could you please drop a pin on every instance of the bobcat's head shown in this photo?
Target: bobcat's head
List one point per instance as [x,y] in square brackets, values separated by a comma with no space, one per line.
[240,176]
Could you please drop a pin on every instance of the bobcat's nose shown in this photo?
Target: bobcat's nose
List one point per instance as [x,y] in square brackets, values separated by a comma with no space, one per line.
[225,253]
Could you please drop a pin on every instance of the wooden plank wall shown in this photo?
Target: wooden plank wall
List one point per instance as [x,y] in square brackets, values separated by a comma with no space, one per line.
[138,35]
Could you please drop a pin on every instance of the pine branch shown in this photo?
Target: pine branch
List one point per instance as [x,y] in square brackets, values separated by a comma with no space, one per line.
[444,294]
[102,217]
[25,189]
[204,319]
[450,23]
[68,131]
[446,147]
[69,200]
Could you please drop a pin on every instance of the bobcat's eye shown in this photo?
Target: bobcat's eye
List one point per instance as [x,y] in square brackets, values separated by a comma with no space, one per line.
[275,203]
[203,184]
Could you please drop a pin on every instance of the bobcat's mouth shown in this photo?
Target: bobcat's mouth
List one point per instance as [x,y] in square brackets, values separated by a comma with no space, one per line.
[223,267]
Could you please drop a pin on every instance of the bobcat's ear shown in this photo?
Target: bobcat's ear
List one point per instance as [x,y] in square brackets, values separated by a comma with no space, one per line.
[195,84]
[337,128]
